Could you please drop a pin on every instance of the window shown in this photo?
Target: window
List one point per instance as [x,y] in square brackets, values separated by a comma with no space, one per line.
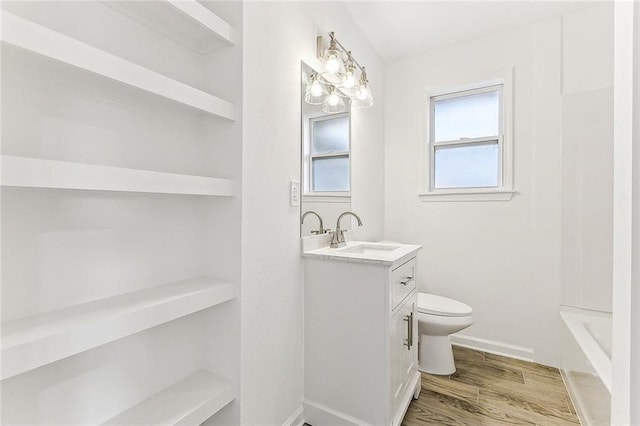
[329,154]
[468,150]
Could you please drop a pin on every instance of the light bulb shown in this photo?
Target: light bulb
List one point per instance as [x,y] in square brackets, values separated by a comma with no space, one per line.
[334,103]
[333,99]
[316,88]
[315,92]
[363,97]
[363,93]
[349,82]
[349,87]
[332,65]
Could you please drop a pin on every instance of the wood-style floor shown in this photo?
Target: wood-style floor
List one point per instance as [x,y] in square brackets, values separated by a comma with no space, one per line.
[488,389]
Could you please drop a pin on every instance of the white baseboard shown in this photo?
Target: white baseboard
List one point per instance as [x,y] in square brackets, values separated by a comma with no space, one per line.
[296,418]
[318,414]
[493,347]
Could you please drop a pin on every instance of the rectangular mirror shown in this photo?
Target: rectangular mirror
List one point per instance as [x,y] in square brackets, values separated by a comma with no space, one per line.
[326,156]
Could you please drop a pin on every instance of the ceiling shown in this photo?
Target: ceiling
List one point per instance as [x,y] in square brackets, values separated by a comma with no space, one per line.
[402,28]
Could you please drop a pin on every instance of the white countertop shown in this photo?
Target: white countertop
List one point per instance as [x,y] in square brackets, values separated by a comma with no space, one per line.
[366,252]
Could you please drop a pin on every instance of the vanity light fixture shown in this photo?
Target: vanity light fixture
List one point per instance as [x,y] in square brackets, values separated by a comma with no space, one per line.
[339,79]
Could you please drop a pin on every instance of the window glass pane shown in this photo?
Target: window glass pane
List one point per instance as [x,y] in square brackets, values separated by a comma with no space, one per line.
[466,166]
[331,174]
[330,135]
[471,116]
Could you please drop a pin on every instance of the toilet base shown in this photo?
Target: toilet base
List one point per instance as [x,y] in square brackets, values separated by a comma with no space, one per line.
[435,355]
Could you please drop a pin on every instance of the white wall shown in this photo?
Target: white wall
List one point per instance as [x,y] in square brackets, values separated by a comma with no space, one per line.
[502,258]
[277,36]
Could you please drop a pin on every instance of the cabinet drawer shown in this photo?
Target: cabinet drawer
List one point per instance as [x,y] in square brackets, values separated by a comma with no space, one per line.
[403,282]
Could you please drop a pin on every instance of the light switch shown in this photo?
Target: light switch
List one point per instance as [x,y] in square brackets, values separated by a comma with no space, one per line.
[294,187]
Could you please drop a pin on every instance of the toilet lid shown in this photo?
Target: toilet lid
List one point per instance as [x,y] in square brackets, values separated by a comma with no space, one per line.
[443,306]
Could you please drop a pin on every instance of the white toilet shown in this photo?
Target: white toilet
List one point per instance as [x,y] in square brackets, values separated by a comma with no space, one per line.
[438,317]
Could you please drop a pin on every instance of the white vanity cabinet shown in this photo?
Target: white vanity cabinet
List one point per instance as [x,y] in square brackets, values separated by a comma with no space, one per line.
[361,336]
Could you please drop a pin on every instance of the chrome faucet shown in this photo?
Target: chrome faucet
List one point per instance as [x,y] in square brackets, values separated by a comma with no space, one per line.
[321,230]
[338,236]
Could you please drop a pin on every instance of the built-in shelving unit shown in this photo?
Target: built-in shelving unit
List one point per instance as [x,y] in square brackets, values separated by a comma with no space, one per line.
[189,401]
[41,40]
[35,341]
[75,355]
[40,173]
[209,33]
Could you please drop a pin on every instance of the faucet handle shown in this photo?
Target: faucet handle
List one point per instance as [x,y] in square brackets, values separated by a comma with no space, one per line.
[320,231]
[338,239]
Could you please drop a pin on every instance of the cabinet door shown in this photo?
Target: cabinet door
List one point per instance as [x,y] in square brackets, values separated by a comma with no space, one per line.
[403,350]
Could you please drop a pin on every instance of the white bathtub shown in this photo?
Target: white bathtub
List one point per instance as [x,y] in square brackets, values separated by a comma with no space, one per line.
[586,363]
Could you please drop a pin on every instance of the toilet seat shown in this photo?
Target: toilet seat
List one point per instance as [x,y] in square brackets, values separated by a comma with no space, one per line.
[442,306]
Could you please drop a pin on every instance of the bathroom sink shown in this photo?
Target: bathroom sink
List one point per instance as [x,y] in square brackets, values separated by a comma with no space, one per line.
[369,249]
[365,252]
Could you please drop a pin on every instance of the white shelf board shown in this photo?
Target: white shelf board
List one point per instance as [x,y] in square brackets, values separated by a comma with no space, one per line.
[189,401]
[187,22]
[27,35]
[38,340]
[41,173]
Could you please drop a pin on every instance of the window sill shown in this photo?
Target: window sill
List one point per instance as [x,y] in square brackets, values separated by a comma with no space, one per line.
[485,194]
[327,198]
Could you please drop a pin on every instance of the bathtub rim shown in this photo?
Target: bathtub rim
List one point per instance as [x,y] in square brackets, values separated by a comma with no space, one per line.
[575,319]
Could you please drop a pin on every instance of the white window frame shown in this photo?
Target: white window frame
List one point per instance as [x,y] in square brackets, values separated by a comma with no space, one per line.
[309,193]
[505,190]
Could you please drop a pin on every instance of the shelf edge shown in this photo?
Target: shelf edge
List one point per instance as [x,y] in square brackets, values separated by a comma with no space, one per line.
[53,346]
[41,40]
[209,394]
[31,172]
[207,19]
